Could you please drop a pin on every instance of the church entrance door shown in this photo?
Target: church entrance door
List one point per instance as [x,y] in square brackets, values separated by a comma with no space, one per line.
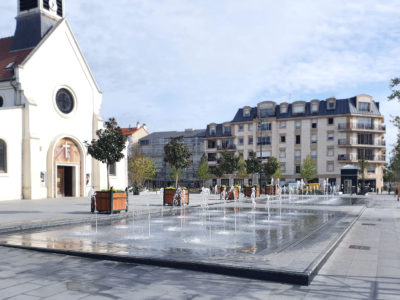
[68,166]
[65,181]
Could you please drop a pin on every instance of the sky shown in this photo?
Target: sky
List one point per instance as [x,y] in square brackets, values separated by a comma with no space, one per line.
[177,64]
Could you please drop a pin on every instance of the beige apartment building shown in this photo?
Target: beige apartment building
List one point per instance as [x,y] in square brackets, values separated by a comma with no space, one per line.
[334,132]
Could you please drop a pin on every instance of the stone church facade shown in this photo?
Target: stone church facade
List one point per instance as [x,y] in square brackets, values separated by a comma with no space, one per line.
[49,105]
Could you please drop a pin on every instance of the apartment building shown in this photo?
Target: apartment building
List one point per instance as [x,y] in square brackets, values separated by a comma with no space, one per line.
[334,132]
[153,147]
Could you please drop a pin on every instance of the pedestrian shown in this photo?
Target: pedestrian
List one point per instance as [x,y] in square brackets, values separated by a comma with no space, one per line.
[397,193]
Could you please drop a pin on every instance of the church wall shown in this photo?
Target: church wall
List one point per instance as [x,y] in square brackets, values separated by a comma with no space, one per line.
[11,133]
[7,93]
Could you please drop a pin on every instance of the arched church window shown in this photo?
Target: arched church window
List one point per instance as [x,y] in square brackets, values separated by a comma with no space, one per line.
[3,157]
[1,101]
[65,101]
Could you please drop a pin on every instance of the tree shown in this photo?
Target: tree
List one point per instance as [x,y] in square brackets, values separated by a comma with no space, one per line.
[253,165]
[174,174]
[271,167]
[228,164]
[308,170]
[394,164]
[141,169]
[108,146]
[242,169]
[363,164]
[177,155]
[278,173]
[203,171]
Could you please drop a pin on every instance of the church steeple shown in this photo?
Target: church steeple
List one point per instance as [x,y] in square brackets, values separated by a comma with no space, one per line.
[35,18]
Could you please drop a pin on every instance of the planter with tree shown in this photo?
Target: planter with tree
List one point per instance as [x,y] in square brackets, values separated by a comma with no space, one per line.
[177,155]
[203,171]
[108,148]
[269,169]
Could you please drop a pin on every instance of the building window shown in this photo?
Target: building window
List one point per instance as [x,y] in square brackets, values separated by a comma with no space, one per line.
[212,156]
[250,140]
[365,139]
[330,137]
[298,109]
[265,126]
[331,105]
[264,140]
[283,168]
[330,121]
[298,124]
[314,108]
[112,171]
[212,131]
[282,124]
[329,167]
[3,157]
[211,144]
[250,127]
[241,141]
[282,153]
[313,139]
[330,152]
[144,142]
[371,168]
[314,124]
[227,130]
[365,123]
[297,169]
[1,101]
[363,106]
[241,127]
[283,109]
[298,140]
[283,138]
[266,112]
[246,113]
[297,155]
[313,154]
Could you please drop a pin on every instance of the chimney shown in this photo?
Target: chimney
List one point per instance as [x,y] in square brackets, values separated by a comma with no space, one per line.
[138,125]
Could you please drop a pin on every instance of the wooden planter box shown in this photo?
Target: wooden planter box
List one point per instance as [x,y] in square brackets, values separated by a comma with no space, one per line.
[270,190]
[248,191]
[168,197]
[110,202]
[234,195]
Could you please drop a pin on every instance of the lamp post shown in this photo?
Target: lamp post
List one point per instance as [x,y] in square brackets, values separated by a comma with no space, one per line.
[260,137]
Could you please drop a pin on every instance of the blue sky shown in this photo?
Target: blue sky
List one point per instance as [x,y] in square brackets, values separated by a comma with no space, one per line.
[176,64]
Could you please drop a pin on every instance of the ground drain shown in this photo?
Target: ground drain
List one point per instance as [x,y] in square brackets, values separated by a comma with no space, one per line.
[359,247]
[368,224]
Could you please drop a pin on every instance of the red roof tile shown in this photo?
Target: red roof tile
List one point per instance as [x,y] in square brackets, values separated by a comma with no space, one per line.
[129,131]
[7,57]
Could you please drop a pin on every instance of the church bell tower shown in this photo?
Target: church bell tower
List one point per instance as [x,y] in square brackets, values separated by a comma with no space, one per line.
[34,20]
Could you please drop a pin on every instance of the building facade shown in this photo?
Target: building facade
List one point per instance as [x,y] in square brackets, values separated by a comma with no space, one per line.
[334,132]
[153,147]
[49,106]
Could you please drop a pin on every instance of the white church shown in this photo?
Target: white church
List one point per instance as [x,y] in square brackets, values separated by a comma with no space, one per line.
[49,105]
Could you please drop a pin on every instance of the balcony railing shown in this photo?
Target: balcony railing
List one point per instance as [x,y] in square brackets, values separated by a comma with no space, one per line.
[355,157]
[263,143]
[347,142]
[226,147]
[345,126]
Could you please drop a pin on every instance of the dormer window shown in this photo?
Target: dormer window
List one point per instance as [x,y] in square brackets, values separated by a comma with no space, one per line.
[364,106]
[227,130]
[283,109]
[331,104]
[212,131]
[298,109]
[246,113]
[314,108]
[266,112]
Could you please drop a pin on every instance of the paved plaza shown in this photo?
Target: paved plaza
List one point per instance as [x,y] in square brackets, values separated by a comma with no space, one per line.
[365,265]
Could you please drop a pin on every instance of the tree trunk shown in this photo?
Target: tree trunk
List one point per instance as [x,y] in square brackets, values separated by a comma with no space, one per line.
[108,176]
[176,179]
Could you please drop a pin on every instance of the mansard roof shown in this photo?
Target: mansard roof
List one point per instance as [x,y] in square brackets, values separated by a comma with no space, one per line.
[8,57]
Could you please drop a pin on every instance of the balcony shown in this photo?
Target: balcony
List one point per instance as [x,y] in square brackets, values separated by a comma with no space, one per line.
[226,147]
[369,127]
[355,157]
[263,143]
[347,142]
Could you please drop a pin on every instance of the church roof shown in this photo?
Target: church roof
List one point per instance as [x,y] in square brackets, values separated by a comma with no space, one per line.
[8,57]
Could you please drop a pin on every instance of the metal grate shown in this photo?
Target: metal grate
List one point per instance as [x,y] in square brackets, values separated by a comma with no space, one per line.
[358,247]
[368,224]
